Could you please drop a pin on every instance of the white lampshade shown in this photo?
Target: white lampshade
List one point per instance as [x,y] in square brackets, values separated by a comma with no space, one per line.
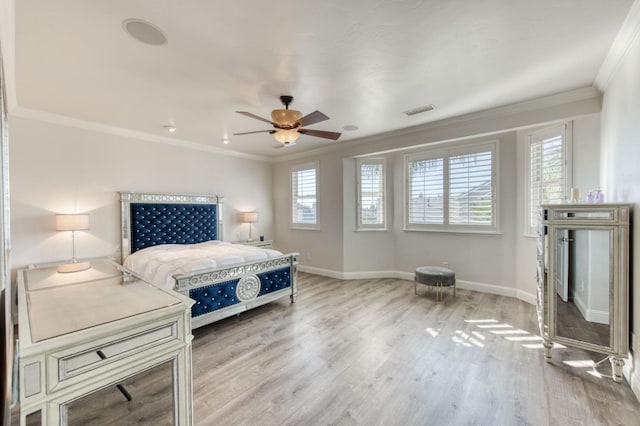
[286,137]
[250,217]
[72,222]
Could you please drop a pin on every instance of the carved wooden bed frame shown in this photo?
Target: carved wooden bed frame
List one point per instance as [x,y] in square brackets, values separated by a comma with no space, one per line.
[152,219]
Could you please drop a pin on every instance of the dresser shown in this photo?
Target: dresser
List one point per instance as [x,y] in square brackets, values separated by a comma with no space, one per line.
[99,335]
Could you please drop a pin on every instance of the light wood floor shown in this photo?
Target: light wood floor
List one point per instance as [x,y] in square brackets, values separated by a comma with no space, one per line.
[370,352]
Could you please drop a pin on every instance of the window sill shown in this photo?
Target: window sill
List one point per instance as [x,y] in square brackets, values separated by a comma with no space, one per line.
[370,230]
[455,231]
[304,228]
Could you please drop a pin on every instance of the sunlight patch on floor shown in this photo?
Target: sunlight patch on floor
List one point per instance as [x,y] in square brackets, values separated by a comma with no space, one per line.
[590,364]
[433,332]
[477,338]
[528,338]
[465,339]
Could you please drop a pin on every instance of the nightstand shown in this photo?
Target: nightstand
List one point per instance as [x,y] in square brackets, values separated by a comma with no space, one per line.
[86,335]
[258,243]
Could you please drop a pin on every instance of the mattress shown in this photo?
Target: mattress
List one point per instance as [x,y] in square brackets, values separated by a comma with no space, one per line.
[160,263]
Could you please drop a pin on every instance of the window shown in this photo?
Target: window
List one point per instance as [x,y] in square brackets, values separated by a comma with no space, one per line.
[549,151]
[452,189]
[304,196]
[371,194]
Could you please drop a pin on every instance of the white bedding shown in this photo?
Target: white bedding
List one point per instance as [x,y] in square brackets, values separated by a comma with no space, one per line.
[159,263]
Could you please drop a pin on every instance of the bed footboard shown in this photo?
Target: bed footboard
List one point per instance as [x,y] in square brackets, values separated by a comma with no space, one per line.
[225,291]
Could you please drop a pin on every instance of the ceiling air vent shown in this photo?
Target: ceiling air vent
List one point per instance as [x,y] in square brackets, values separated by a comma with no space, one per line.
[420,110]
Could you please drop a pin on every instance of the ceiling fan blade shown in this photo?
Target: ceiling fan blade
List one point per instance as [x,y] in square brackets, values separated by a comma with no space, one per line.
[257,131]
[312,118]
[250,115]
[320,134]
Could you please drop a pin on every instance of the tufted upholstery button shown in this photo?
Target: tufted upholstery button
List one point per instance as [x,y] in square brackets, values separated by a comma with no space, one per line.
[153,224]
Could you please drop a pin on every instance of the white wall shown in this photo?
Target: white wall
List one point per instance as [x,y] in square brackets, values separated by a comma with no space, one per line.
[60,169]
[372,252]
[620,125]
[318,248]
[484,262]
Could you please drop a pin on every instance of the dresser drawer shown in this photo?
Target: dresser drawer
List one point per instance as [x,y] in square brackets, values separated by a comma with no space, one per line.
[75,364]
[71,365]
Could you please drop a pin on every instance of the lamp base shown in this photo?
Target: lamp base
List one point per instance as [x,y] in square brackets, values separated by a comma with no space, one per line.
[74,267]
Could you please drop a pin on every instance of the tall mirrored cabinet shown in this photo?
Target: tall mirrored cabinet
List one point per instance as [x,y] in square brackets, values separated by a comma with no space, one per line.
[583,279]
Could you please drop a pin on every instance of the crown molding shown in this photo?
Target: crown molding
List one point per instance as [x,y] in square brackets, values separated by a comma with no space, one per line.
[127,133]
[623,42]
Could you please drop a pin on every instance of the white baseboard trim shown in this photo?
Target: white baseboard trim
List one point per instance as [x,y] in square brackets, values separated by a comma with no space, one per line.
[525,296]
[321,272]
[463,284]
[591,315]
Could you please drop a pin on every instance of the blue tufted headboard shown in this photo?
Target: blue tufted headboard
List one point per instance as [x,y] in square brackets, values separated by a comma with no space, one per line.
[153,219]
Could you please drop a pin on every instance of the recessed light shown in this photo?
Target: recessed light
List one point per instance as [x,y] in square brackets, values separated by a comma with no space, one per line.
[225,141]
[170,129]
[144,32]
[420,109]
[350,127]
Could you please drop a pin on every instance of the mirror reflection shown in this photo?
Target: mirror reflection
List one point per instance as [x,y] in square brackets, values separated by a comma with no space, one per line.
[151,401]
[582,281]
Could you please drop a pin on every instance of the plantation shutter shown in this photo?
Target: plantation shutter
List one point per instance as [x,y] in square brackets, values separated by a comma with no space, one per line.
[471,189]
[371,196]
[426,191]
[304,196]
[548,173]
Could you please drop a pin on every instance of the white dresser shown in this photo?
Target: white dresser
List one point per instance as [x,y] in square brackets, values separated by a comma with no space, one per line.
[82,333]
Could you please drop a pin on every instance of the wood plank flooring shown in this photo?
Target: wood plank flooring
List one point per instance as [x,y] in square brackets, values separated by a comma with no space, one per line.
[370,352]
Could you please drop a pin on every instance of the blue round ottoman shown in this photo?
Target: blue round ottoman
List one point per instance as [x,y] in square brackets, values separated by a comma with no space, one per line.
[435,276]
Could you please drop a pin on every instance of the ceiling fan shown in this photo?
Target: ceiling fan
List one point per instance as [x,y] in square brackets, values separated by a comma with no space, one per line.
[289,124]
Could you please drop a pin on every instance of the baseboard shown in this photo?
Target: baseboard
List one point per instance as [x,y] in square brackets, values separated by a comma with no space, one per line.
[532,299]
[321,272]
[591,315]
[463,284]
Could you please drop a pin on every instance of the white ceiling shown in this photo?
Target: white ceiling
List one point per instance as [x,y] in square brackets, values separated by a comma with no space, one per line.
[361,62]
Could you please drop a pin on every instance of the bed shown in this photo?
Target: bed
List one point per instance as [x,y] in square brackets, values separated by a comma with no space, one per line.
[243,278]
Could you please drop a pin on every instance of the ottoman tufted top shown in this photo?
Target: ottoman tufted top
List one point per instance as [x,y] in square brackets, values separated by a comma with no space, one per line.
[433,275]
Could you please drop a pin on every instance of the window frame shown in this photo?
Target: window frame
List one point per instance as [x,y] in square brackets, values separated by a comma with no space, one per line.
[446,153]
[367,226]
[566,130]
[315,165]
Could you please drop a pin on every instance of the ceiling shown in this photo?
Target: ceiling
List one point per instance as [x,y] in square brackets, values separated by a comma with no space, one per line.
[361,62]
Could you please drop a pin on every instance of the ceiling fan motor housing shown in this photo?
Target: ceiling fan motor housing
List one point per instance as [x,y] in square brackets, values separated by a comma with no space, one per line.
[286,100]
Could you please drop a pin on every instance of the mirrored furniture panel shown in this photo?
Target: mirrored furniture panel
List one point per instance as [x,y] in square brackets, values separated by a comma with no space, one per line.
[583,279]
[102,344]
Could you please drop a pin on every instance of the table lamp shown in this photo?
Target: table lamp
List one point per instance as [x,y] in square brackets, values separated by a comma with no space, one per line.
[250,217]
[73,223]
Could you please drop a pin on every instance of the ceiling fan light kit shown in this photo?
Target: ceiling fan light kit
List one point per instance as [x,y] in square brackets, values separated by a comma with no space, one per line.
[286,137]
[289,124]
[285,117]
